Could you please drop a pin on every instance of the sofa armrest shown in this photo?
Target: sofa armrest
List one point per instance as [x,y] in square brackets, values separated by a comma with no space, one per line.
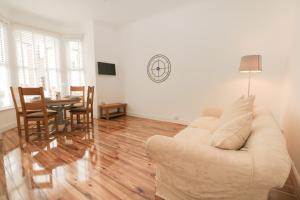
[201,162]
[212,111]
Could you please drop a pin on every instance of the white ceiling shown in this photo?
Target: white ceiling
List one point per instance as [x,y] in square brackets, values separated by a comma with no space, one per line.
[110,11]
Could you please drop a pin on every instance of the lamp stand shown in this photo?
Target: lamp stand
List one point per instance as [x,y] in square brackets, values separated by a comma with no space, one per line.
[249,83]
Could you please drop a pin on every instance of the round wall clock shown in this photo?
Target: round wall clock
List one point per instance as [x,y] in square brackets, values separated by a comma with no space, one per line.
[159,68]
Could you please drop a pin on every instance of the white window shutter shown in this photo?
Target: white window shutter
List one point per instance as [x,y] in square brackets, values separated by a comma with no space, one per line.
[5,99]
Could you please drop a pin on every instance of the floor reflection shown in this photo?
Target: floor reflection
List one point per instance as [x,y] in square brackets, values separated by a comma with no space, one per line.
[109,163]
[40,163]
[3,186]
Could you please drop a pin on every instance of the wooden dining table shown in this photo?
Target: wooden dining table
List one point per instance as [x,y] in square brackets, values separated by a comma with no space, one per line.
[59,105]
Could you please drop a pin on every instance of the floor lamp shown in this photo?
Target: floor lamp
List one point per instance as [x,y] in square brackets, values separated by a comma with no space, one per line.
[249,64]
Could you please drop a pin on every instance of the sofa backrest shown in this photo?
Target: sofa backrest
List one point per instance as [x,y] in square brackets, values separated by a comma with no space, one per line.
[267,146]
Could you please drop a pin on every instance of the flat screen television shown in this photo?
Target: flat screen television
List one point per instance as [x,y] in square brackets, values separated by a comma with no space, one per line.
[106,68]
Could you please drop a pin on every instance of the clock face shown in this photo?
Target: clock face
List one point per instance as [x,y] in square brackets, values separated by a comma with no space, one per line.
[159,68]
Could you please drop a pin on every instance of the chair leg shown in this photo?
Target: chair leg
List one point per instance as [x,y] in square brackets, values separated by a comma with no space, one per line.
[84,121]
[88,121]
[72,126]
[19,125]
[46,127]
[26,129]
[38,124]
[92,117]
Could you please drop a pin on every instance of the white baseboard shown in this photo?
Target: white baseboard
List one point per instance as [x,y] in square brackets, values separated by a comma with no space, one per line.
[7,127]
[158,118]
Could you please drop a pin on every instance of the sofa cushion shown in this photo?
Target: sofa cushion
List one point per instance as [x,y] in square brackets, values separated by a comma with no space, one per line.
[233,134]
[241,106]
[205,122]
[194,135]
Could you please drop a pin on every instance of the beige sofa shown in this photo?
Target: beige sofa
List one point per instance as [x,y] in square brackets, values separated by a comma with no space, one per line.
[189,168]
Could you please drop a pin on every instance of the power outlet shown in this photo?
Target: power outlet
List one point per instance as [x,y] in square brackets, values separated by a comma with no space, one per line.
[176,118]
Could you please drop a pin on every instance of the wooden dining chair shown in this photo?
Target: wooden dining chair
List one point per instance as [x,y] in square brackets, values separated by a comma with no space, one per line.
[18,108]
[78,91]
[86,111]
[38,105]
[19,113]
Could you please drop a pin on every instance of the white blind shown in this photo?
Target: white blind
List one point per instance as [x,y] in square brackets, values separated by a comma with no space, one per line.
[38,60]
[76,71]
[4,68]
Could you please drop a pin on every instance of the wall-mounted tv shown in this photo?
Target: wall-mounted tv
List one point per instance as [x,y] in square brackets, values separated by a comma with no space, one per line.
[106,68]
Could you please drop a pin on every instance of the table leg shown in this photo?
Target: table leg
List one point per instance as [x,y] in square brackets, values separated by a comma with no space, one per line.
[107,114]
[78,119]
[60,117]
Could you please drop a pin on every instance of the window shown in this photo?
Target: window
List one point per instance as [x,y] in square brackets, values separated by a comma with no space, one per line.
[38,60]
[4,68]
[76,72]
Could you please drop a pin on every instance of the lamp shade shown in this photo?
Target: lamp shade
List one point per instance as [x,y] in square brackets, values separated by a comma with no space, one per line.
[251,63]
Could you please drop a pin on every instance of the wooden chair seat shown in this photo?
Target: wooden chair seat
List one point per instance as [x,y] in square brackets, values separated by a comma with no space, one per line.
[41,114]
[78,110]
[21,113]
[77,105]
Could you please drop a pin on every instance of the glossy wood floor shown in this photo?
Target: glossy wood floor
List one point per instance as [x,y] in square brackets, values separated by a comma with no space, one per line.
[108,162]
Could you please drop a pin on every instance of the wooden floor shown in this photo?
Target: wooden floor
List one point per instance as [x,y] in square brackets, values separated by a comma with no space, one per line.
[108,162]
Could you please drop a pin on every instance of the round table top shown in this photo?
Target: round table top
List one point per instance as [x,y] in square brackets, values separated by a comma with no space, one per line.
[62,101]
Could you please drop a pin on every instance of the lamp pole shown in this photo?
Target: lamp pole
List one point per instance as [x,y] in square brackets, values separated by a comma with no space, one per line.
[249,83]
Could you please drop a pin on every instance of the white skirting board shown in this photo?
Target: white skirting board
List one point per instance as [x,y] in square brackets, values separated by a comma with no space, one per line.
[158,118]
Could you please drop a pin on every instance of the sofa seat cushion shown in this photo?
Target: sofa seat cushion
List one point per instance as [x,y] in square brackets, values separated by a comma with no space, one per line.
[205,122]
[193,135]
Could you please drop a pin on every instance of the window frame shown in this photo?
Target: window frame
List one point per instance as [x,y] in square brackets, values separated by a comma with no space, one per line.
[80,69]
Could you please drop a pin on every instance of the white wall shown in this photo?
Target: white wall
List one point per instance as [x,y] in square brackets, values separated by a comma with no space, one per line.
[290,116]
[7,120]
[107,49]
[89,59]
[204,42]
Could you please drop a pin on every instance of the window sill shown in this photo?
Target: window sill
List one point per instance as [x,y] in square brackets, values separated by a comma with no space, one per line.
[6,108]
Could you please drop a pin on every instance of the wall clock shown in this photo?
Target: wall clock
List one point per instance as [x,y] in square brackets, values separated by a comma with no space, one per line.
[159,68]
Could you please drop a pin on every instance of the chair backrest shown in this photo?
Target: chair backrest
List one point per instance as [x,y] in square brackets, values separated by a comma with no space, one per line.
[16,98]
[35,103]
[90,98]
[78,91]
